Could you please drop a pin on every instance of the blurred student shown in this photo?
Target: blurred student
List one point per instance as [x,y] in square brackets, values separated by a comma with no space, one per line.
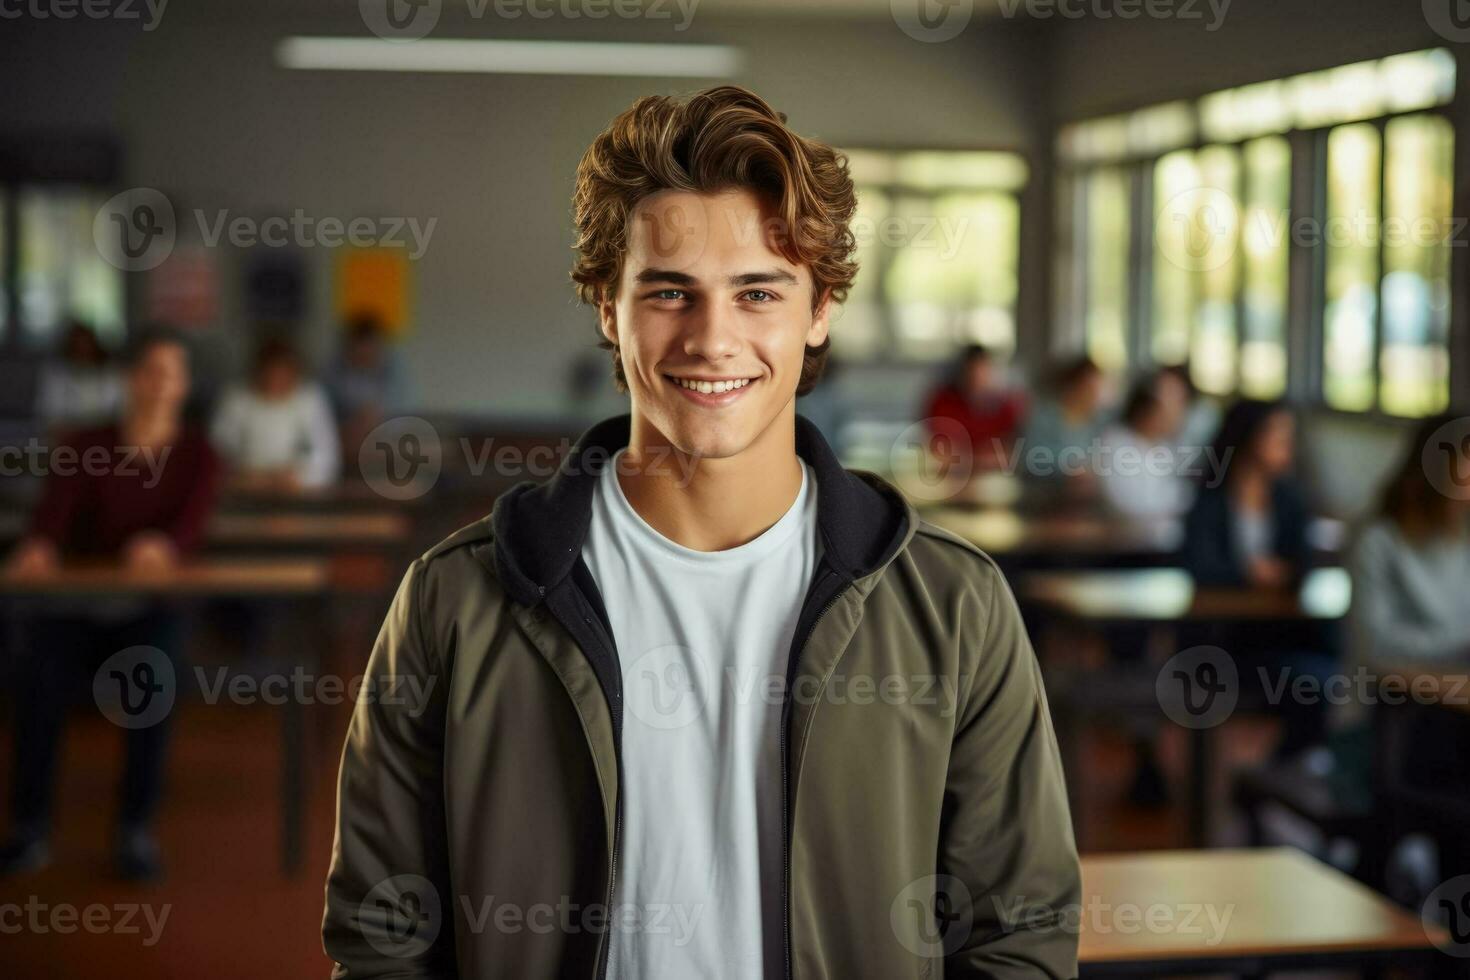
[1199,417]
[365,381]
[80,388]
[1249,530]
[1062,427]
[147,508]
[1411,561]
[979,404]
[278,433]
[1411,612]
[1141,478]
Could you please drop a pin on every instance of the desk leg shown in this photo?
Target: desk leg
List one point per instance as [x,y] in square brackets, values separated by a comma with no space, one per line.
[295,746]
[1069,723]
[292,789]
[1202,765]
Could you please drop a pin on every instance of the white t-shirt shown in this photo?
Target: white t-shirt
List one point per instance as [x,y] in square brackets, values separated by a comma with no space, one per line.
[703,639]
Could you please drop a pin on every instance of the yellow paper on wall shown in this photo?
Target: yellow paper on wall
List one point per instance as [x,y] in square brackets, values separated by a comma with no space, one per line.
[374,281]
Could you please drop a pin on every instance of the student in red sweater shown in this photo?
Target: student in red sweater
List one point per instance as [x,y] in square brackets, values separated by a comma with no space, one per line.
[975,399]
[138,491]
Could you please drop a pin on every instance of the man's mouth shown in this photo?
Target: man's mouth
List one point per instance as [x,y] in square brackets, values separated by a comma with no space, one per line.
[711,391]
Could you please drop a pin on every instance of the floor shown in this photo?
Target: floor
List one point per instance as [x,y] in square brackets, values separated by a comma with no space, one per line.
[225,909]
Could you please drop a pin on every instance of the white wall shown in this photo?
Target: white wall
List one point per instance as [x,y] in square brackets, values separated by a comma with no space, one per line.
[205,115]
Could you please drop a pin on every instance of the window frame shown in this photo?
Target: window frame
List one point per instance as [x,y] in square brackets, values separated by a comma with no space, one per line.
[1306,266]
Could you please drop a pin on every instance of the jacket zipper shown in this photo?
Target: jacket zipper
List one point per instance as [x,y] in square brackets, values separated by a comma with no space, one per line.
[602,635]
[797,648]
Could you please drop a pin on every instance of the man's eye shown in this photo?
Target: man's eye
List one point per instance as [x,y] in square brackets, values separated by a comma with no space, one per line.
[669,294]
[759,296]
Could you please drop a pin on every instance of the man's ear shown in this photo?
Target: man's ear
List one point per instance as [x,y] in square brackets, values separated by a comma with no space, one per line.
[607,318]
[818,330]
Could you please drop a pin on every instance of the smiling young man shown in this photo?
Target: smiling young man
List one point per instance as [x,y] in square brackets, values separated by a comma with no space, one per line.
[705,704]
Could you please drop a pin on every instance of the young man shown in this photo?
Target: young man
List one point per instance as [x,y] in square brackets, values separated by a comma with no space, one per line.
[705,704]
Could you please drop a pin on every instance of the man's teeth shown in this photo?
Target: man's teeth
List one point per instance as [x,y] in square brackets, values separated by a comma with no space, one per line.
[711,387]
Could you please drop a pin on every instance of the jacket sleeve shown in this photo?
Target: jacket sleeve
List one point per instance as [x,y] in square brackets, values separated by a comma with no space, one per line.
[389,911]
[1006,831]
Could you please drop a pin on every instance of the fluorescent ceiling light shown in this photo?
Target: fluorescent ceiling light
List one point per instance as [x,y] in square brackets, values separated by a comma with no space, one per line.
[509,57]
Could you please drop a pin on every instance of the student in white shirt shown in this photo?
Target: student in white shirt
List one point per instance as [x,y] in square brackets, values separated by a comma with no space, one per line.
[80,389]
[1140,476]
[278,433]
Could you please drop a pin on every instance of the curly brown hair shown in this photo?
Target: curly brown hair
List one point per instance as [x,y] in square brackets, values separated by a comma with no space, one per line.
[721,138]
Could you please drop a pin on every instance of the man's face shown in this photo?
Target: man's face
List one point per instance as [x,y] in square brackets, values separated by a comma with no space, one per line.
[711,320]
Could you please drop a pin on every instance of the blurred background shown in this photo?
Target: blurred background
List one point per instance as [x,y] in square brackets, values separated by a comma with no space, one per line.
[1162,303]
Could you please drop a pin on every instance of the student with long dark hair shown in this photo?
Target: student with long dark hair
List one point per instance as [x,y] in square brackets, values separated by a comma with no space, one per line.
[1248,529]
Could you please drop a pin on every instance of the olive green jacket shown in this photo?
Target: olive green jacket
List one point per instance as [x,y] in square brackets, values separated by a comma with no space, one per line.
[926,824]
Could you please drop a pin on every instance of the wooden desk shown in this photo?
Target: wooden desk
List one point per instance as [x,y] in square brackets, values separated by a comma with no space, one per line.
[347,495]
[1159,598]
[274,531]
[308,530]
[206,577]
[1066,538]
[296,579]
[1163,595]
[1236,911]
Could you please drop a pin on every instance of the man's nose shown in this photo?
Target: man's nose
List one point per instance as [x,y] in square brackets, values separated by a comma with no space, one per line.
[712,333]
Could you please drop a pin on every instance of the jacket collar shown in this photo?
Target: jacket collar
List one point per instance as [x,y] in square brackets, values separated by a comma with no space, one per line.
[540,528]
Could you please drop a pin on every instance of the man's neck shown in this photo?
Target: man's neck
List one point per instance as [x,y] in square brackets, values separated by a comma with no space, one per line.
[711,504]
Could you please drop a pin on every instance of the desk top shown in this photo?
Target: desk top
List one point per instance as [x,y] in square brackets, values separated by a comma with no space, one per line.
[1169,594]
[1444,684]
[1005,532]
[286,577]
[1232,902]
[382,528]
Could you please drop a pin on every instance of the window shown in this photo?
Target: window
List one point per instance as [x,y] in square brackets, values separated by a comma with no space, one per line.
[1210,184]
[60,273]
[938,244]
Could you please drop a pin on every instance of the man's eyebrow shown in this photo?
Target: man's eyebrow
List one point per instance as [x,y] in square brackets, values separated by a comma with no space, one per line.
[665,275]
[670,276]
[771,275]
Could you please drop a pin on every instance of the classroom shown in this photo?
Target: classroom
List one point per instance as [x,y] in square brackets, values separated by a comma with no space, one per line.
[735,488]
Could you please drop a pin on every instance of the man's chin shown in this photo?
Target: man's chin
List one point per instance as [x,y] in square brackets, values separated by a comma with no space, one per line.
[710,438]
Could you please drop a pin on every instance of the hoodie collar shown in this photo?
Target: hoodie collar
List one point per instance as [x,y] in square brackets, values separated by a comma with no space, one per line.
[540,528]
